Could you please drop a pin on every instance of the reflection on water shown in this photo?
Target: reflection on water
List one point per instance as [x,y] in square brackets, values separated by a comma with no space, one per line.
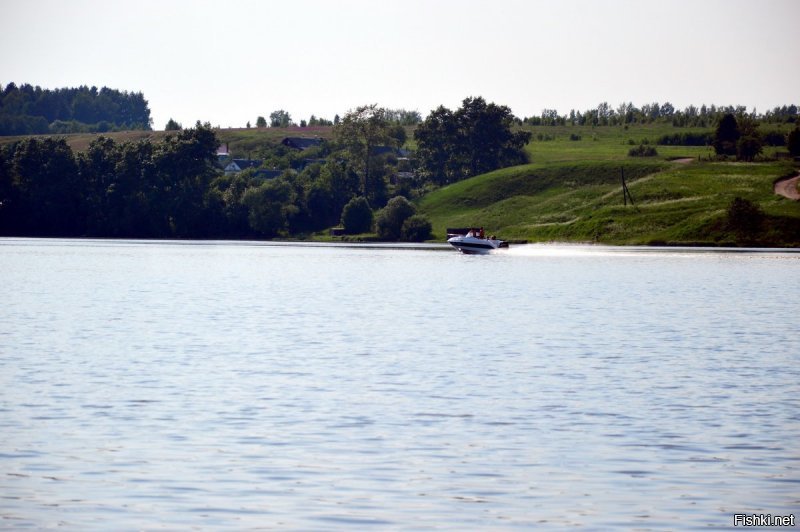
[222,385]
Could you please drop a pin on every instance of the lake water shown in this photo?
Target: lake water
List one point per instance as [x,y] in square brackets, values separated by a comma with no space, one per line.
[150,385]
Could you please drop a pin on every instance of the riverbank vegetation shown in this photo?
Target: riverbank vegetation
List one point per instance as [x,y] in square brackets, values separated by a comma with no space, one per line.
[694,177]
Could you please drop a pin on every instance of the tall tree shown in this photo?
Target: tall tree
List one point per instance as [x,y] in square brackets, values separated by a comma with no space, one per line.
[360,132]
[134,196]
[476,138]
[793,141]
[280,118]
[438,142]
[8,193]
[490,140]
[340,182]
[172,125]
[48,187]
[726,135]
[186,165]
[98,168]
[270,206]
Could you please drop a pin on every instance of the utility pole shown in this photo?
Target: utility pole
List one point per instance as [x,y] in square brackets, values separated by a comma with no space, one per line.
[626,194]
[624,188]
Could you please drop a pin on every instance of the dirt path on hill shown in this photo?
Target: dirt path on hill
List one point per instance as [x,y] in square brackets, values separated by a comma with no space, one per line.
[685,160]
[787,187]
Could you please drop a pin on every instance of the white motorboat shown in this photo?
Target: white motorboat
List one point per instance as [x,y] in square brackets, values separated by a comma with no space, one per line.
[474,244]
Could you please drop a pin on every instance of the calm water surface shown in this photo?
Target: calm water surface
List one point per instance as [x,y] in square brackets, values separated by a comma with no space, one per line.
[237,385]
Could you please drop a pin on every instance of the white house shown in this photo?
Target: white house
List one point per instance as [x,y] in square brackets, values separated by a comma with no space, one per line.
[237,165]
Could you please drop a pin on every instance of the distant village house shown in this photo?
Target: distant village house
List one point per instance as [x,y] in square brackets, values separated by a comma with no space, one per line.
[237,165]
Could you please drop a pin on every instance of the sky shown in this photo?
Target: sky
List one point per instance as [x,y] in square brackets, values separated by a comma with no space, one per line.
[228,62]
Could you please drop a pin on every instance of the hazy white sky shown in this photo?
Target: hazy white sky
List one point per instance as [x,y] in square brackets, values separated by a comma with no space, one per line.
[228,62]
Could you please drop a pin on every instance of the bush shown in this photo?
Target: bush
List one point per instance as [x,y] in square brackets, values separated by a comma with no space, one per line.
[416,228]
[642,151]
[774,138]
[747,148]
[744,216]
[389,223]
[357,216]
[574,136]
[793,142]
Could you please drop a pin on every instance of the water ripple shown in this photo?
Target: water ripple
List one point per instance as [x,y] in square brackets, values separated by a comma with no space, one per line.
[195,385]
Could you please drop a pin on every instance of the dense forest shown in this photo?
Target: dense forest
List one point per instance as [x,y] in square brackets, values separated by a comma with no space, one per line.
[132,189]
[175,187]
[28,110]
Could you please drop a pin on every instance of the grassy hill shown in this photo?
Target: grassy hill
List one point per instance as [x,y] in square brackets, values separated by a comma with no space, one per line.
[572,192]
[241,141]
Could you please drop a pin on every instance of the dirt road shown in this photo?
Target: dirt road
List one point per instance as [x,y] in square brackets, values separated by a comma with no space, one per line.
[788,187]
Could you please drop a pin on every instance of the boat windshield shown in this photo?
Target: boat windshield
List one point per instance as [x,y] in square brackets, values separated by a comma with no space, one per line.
[475,233]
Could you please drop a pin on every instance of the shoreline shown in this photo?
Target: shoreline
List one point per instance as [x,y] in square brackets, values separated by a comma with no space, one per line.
[401,246]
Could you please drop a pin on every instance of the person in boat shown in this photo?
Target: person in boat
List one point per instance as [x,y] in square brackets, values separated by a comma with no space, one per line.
[483,235]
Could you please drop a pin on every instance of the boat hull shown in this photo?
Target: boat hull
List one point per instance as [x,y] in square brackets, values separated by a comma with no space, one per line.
[475,246]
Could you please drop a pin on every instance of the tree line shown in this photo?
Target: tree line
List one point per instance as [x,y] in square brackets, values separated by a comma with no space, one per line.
[29,110]
[627,113]
[732,137]
[740,137]
[282,118]
[359,179]
[174,188]
[736,136]
[135,189]
[476,138]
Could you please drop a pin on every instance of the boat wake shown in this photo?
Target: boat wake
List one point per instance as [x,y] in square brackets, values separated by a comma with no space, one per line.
[601,251]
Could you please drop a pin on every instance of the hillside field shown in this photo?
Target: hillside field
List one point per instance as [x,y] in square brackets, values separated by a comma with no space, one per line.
[571,192]
[241,141]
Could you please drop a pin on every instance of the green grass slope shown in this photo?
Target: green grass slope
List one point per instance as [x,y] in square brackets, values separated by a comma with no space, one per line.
[572,192]
[241,141]
[553,144]
[582,201]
